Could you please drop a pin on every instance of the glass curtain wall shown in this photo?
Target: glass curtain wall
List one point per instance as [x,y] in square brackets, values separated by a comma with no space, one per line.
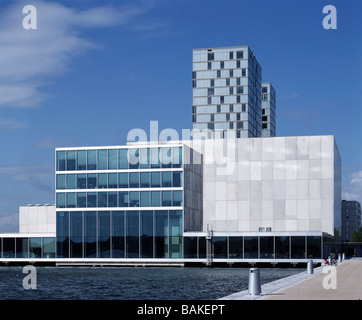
[120,234]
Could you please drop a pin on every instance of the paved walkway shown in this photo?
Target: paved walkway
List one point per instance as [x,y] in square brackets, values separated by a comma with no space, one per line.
[322,286]
[343,282]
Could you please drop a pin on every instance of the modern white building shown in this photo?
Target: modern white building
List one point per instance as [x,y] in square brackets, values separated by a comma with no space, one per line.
[228,195]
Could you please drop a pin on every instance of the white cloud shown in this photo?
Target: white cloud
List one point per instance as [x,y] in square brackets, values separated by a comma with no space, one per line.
[353,189]
[8,124]
[30,59]
[39,176]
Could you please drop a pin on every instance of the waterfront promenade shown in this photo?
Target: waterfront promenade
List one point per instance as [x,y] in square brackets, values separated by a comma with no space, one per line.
[346,285]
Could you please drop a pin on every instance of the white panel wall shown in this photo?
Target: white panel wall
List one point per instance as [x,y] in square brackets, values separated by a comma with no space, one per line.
[37,219]
[286,183]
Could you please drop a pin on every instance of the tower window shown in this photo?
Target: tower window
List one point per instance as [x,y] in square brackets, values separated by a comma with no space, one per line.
[239,54]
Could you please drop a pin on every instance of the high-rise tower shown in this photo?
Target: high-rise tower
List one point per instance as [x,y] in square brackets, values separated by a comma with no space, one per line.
[227,92]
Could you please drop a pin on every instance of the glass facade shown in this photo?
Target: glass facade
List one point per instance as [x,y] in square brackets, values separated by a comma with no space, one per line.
[255,247]
[27,247]
[147,181]
[119,234]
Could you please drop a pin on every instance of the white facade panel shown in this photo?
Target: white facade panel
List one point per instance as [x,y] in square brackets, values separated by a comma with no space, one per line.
[287,183]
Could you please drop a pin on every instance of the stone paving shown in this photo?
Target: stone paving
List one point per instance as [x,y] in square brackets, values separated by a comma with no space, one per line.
[343,282]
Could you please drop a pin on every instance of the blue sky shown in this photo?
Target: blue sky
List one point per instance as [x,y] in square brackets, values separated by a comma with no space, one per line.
[93,70]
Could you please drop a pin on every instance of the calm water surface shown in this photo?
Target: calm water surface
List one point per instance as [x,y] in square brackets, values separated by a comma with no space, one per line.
[149,283]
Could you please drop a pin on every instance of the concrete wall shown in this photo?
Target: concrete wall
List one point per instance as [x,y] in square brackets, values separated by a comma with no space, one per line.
[285,183]
[37,219]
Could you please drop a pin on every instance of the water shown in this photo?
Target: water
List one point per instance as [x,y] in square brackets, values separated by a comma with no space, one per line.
[110,283]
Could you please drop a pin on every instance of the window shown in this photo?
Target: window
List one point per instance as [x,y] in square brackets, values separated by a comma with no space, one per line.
[61,181]
[123,199]
[71,160]
[228,117]
[91,160]
[264,89]
[243,107]
[166,179]
[91,199]
[243,72]
[177,179]
[239,54]
[265,97]
[81,181]
[218,73]
[123,159]
[231,55]
[231,73]
[194,75]
[144,179]
[210,56]
[134,180]
[155,198]
[102,199]
[146,228]
[133,158]
[144,198]
[166,198]
[218,108]
[231,90]
[71,200]
[212,82]
[71,181]
[210,91]
[81,200]
[134,199]
[238,63]
[102,160]
[112,180]
[60,160]
[155,179]
[132,234]
[240,90]
[231,108]
[104,231]
[123,180]
[112,159]
[219,247]
[177,198]
[194,83]
[238,81]
[228,82]
[208,65]
[81,160]
[221,99]
[102,181]
[238,99]
[221,64]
